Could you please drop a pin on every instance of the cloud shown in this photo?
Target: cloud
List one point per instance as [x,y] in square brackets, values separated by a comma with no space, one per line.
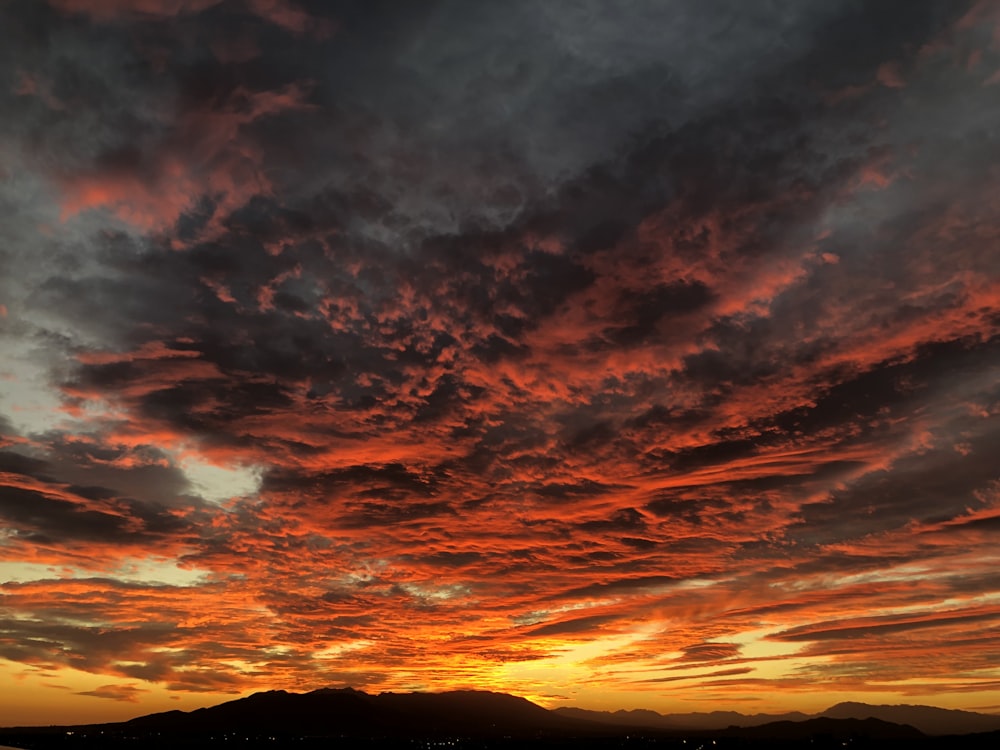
[282,13]
[716,673]
[577,625]
[885,624]
[710,651]
[128,693]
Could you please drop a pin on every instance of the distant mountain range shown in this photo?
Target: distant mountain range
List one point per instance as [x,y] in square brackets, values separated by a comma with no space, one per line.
[346,713]
[928,719]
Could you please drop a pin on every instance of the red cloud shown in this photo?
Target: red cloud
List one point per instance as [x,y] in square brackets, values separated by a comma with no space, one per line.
[205,155]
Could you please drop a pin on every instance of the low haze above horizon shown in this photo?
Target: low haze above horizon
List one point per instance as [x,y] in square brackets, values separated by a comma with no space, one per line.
[615,355]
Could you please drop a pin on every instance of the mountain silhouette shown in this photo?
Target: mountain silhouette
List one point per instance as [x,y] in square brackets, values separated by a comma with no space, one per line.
[348,712]
[275,711]
[482,718]
[682,721]
[929,720]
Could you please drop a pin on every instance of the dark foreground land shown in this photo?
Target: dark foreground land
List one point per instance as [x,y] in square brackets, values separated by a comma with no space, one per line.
[85,742]
[473,720]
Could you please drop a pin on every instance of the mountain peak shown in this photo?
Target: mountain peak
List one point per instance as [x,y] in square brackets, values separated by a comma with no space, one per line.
[337,691]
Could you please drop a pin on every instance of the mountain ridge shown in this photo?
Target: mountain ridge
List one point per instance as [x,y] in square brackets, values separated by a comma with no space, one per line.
[930,720]
[347,712]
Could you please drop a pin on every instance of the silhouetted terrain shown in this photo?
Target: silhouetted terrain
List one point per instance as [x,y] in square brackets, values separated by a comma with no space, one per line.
[474,719]
[326,713]
[685,721]
[928,719]
[870,729]
[352,713]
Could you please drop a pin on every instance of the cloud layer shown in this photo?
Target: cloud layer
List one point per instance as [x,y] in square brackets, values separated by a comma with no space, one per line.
[650,353]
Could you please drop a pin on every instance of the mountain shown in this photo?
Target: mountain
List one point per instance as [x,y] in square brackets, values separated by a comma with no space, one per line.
[928,719]
[347,712]
[274,711]
[641,718]
[488,719]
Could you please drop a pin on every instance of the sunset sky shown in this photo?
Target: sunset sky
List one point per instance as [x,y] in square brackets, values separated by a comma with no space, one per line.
[612,354]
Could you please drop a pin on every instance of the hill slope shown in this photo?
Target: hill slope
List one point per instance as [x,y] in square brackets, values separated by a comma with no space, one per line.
[641,718]
[332,712]
[928,719]
[345,713]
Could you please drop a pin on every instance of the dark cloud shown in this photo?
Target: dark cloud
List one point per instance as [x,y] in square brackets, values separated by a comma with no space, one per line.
[710,651]
[15,463]
[44,519]
[879,626]
[384,511]
[623,519]
[715,673]
[577,625]
[128,693]
[619,586]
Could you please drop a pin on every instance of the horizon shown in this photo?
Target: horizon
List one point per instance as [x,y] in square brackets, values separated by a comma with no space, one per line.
[748,714]
[618,357]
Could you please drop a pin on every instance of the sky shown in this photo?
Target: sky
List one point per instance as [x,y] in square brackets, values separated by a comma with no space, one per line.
[637,354]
